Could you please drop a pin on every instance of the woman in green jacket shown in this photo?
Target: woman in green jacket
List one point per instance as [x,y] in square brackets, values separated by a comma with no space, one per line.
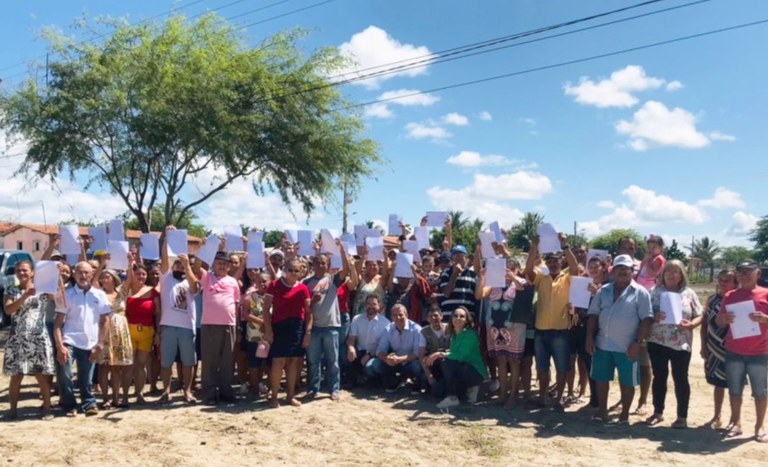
[463,367]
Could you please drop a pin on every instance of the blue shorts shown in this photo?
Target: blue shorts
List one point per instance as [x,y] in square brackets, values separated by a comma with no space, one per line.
[173,341]
[604,364]
[552,344]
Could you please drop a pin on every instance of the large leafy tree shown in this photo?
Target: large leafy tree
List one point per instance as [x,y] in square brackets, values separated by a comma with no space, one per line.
[673,251]
[730,256]
[706,250]
[760,236]
[153,105]
[521,234]
[610,241]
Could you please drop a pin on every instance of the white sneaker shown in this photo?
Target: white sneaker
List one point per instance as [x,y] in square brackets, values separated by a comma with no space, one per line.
[494,386]
[448,402]
[472,394]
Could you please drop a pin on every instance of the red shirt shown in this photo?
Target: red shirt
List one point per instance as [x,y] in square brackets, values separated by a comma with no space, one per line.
[754,345]
[342,294]
[288,302]
[141,310]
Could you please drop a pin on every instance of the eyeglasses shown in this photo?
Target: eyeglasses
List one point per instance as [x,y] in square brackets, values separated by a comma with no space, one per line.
[295,271]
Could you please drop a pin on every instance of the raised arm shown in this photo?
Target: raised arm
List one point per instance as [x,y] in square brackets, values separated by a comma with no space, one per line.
[533,253]
[54,241]
[570,258]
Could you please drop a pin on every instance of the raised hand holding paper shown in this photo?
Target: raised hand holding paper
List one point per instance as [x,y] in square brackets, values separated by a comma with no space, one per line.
[436,218]
[328,242]
[150,248]
[375,247]
[118,254]
[486,244]
[99,234]
[671,303]
[496,229]
[292,235]
[394,224]
[46,277]
[412,247]
[422,237]
[361,232]
[306,242]
[495,272]
[176,242]
[548,239]
[207,252]
[349,243]
[116,230]
[233,239]
[255,257]
[69,239]
[404,265]
[578,294]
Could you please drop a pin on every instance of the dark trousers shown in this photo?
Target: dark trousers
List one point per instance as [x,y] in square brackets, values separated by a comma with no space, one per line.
[391,376]
[459,377]
[217,343]
[661,358]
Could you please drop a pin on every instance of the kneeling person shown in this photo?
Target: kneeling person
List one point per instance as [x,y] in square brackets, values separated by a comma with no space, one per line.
[400,351]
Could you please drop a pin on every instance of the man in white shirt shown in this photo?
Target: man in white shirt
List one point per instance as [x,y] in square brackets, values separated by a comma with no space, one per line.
[364,334]
[80,331]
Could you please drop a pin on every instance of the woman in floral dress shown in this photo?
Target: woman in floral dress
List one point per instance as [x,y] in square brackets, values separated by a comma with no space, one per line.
[29,350]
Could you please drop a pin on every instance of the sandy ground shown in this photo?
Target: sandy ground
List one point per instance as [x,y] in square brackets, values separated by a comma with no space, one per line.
[369,428]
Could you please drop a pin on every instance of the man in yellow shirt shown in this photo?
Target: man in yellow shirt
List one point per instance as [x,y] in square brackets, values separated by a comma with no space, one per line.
[552,316]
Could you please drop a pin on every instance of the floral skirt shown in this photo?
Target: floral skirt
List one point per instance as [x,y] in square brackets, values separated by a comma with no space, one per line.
[118,351]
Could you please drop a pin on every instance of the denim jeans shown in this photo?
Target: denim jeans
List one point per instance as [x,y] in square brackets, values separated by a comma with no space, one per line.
[552,344]
[84,376]
[738,367]
[324,343]
[459,377]
[389,374]
[343,333]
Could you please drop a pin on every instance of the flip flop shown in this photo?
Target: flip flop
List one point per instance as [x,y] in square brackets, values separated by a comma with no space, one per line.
[72,413]
[761,437]
[733,432]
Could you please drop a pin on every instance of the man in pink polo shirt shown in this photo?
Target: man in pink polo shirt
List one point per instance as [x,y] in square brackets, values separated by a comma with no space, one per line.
[221,295]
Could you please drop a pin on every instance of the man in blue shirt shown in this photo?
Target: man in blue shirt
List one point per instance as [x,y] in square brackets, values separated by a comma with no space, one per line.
[400,350]
[621,314]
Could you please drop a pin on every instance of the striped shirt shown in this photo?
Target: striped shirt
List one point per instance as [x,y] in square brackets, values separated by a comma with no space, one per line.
[463,292]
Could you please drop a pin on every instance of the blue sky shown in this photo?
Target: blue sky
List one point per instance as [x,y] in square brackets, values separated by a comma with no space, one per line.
[667,140]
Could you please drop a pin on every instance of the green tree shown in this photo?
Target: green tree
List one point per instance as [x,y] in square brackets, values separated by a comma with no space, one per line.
[730,256]
[272,238]
[463,229]
[158,223]
[575,241]
[673,251]
[610,241]
[706,250]
[522,233]
[153,105]
[760,236]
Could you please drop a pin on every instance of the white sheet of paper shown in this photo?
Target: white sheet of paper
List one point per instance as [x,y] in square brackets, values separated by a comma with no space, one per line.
[150,247]
[118,254]
[496,229]
[371,233]
[361,232]
[349,243]
[306,240]
[47,277]
[292,235]
[176,241]
[742,326]
[412,247]
[255,252]
[579,294]
[116,230]
[548,241]
[436,218]
[336,261]
[328,242]
[233,239]
[69,235]
[404,265]
[375,246]
[671,303]
[72,258]
[99,234]
[207,251]
[495,272]
[486,244]
[255,236]
[394,224]
[422,237]
[594,252]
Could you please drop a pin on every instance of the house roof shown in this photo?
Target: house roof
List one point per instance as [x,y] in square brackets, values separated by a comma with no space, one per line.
[54,229]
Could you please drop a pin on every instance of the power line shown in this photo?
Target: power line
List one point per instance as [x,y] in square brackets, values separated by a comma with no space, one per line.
[314,5]
[561,64]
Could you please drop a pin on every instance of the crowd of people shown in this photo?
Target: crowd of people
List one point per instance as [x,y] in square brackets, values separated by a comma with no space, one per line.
[441,333]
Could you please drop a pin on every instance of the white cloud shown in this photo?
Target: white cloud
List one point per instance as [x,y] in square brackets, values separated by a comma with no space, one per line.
[674,85]
[743,224]
[374,47]
[724,198]
[485,116]
[530,121]
[717,136]
[615,91]
[654,125]
[643,209]
[471,159]
[378,110]
[408,97]
[428,130]
[606,204]
[454,118]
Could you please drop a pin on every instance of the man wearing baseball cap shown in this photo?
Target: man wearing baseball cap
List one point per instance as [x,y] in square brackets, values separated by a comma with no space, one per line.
[621,315]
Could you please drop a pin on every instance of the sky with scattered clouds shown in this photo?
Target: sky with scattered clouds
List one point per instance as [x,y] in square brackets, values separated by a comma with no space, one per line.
[668,140]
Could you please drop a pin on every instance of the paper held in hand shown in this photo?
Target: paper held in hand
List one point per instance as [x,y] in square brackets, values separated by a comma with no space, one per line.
[548,240]
[671,303]
[578,293]
[742,326]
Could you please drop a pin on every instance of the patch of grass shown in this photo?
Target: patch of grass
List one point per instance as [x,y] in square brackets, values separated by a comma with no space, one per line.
[479,438]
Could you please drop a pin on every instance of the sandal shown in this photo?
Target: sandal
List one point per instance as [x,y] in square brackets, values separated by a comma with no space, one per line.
[761,437]
[714,424]
[733,431]
[641,411]
[106,405]
[72,413]
[654,419]
[273,403]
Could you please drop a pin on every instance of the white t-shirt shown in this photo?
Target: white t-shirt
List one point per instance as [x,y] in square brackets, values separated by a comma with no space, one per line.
[83,311]
[177,303]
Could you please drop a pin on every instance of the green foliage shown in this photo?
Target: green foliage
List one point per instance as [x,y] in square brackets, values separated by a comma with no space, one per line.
[760,236]
[272,238]
[153,105]
[157,223]
[730,256]
[673,251]
[464,232]
[610,241]
[521,234]
[706,250]
[575,241]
